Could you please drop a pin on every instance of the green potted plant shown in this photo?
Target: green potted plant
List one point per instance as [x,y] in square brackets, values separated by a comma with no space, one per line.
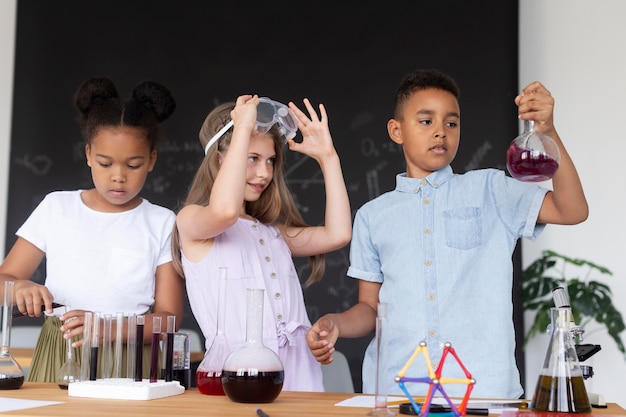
[590,299]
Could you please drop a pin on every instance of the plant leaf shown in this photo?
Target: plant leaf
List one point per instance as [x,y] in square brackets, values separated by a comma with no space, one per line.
[589,299]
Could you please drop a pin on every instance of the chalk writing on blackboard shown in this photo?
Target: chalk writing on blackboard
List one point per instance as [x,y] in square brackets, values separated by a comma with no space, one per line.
[478,157]
[37,164]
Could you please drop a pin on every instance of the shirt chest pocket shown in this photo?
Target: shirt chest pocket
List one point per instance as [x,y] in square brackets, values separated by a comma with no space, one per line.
[463,227]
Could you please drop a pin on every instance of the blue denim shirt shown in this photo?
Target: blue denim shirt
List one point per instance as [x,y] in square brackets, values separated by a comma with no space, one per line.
[442,248]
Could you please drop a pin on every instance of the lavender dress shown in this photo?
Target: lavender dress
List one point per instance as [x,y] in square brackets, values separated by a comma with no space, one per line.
[256,257]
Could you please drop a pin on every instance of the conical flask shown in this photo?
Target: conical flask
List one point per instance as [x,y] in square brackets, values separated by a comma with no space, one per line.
[209,372]
[561,386]
[253,373]
[11,373]
[532,156]
[70,370]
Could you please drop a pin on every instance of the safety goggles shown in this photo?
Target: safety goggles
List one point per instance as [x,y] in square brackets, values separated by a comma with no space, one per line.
[268,113]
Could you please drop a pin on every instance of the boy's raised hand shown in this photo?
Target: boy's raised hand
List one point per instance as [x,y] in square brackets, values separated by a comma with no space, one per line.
[537,104]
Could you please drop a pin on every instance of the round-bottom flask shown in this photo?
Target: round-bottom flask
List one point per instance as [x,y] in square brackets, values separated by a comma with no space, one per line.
[532,156]
[253,373]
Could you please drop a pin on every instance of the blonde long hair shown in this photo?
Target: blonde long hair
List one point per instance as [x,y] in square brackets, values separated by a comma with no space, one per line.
[276,203]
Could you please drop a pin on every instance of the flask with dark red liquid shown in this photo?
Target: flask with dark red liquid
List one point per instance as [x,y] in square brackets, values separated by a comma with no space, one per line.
[11,374]
[253,373]
[532,156]
[209,372]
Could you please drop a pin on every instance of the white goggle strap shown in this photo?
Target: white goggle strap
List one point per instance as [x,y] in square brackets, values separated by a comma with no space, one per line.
[217,136]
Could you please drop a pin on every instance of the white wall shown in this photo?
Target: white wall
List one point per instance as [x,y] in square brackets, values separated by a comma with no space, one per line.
[575,47]
[8,10]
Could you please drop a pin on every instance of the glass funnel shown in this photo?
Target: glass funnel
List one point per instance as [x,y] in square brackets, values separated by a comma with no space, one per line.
[70,370]
[560,387]
[209,372]
[11,373]
[253,373]
[532,156]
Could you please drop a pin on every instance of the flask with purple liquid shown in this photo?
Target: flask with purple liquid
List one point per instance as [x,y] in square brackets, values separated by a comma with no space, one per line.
[532,156]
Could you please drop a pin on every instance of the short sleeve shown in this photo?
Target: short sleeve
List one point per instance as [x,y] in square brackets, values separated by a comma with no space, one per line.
[364,258]
[34,229]
[518,205]
[165,254]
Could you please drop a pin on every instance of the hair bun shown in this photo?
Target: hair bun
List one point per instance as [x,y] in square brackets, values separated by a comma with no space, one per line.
[156,98]
[94,91]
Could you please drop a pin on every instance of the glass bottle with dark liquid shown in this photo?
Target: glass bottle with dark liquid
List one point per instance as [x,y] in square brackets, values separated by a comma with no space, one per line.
[253,373]
[209,372]
[532,156]
[11,373]
[561,387]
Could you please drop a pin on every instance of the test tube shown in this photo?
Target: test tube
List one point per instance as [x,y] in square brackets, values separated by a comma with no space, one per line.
[95,339]
[117,363]
[139,349]
[169,348]
[106,347]
[86,347]
[154,348]
[380,399]
[130,350]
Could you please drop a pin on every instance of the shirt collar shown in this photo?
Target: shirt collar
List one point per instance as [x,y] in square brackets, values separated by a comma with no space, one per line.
[412,185]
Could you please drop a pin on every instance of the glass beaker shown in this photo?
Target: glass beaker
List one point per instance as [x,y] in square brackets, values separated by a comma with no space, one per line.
[532,156]
[70,370]
[181,360]
[209,372]
[561,387]
[253,373]
[11,373]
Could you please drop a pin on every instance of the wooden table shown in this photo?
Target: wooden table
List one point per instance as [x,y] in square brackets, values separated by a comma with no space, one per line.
[23,356]
[192,404]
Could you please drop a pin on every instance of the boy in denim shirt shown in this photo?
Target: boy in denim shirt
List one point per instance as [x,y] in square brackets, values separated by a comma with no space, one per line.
[438,249]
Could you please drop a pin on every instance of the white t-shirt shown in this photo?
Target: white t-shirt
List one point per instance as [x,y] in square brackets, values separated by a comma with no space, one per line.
[96,261]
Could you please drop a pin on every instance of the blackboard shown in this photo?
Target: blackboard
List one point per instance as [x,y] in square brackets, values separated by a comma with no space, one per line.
[349,55]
